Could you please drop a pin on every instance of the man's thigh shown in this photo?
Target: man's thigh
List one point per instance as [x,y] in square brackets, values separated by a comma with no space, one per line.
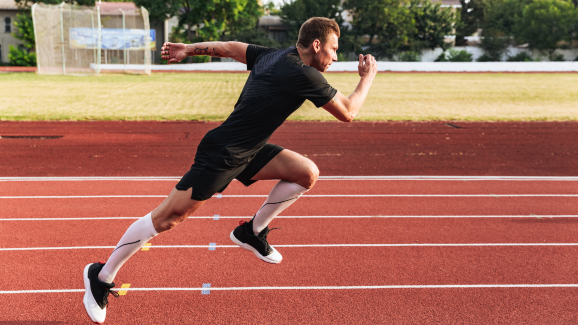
[289,166]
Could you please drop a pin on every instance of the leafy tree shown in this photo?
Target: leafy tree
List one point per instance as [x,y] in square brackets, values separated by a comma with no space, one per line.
[494,43]
[273,10]
[545,23]
[384,25]
[159,10]
[208,17]
[432,24]
[409,57]
[245,29]
[500,19]
[24,31]
[294,14]
[21,57]
[455,56]
[459,56]
[471,16]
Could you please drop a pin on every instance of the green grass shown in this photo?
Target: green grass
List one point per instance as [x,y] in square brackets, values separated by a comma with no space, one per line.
[208,96]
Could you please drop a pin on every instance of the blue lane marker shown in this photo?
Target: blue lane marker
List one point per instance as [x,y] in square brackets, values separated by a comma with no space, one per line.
[216,217]
[212,246]
[219,196]
[207,291]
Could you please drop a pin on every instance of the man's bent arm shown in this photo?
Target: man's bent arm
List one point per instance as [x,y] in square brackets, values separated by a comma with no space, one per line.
[234,50]
[345,108]
[175,52]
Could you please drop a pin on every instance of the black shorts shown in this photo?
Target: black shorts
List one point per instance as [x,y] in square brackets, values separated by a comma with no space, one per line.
[207,179]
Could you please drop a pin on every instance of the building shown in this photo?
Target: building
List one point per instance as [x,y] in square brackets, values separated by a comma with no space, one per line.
[448,3]
[274,27]
[8,11]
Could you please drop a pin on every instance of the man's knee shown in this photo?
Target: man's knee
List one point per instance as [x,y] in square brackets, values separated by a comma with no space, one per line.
[309,175]
[167,220]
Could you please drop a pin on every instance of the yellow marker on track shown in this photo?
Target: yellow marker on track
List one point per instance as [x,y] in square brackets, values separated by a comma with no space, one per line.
[123,292]
[146,247]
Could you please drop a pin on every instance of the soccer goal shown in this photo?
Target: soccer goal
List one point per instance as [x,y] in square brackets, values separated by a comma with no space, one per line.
[80,40]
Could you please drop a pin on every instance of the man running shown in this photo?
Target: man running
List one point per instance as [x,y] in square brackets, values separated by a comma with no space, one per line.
[279,83]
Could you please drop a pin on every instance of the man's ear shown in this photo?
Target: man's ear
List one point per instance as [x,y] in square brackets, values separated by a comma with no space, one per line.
[316,45]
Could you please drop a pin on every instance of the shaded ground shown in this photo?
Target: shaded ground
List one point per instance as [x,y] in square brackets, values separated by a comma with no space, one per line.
[360,148]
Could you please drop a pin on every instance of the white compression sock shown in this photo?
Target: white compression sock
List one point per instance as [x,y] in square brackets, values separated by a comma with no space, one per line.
[140,232]
[280,198]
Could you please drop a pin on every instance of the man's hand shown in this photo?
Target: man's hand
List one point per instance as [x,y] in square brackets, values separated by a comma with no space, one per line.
[367,67]
[345,108]
[173,52]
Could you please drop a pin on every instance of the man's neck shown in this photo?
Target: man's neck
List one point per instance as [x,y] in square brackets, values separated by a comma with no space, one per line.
[305,56]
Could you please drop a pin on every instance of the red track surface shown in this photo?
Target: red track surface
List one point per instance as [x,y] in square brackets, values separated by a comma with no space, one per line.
[398,148]
[339,149]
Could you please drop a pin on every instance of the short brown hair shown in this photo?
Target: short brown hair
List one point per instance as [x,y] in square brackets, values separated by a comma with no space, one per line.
[317,28]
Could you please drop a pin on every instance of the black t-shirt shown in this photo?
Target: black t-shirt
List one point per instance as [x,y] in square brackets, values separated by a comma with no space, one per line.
[279,83]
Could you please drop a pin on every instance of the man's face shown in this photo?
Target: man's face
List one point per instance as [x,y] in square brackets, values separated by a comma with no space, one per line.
[325,53]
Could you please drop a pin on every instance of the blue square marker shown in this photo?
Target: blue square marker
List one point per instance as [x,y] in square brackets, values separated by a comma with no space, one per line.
[216,217]
[207,291]
[212,246]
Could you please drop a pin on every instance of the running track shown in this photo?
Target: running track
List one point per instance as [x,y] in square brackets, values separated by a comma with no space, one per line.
[357,250]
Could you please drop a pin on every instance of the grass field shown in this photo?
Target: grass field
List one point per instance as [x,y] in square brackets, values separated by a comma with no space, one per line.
[200,96]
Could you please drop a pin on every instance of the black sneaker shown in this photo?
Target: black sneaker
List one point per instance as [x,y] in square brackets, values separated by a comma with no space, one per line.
[244,236]
[96,294]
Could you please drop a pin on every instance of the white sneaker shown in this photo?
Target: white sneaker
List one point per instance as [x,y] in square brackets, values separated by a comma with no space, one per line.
[96,294]
[243,236]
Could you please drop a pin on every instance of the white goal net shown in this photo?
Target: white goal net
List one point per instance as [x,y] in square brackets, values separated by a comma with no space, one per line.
[80,40]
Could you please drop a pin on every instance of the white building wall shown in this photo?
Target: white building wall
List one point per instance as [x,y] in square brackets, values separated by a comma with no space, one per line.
[6,39]
[430,56]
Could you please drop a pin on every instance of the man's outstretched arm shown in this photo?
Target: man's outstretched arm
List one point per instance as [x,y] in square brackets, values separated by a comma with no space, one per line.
[345,108]
[175,52]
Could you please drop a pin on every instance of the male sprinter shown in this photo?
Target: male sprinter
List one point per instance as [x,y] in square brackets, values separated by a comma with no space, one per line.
[279,82]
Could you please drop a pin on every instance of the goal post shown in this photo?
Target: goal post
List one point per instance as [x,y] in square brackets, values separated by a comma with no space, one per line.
[82,40]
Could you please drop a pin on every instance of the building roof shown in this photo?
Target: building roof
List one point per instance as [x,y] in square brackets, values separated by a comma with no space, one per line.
[448,3]
[8,5]
[270,21]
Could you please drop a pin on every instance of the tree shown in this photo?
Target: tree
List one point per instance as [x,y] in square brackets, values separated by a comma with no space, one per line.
[384,25]
[245,27]
[205,20]
[471,16]
[24,55]
[159,10]
[432,24]
[500,18]
[294,14]
[545,23]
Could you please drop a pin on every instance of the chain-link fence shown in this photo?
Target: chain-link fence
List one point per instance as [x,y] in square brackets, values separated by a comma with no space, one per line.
[80,40]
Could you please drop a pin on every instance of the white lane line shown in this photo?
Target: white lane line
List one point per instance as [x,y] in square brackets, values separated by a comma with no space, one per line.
[410,177]
[304,196]
[302,246]
[440,286]
[305,217]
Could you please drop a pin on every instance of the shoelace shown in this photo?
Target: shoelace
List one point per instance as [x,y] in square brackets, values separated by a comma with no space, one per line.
[106,291]
[105,295]
[263,239]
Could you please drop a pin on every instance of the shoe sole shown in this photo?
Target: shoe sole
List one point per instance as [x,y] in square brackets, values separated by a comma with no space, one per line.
[250,248]
[86,290]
